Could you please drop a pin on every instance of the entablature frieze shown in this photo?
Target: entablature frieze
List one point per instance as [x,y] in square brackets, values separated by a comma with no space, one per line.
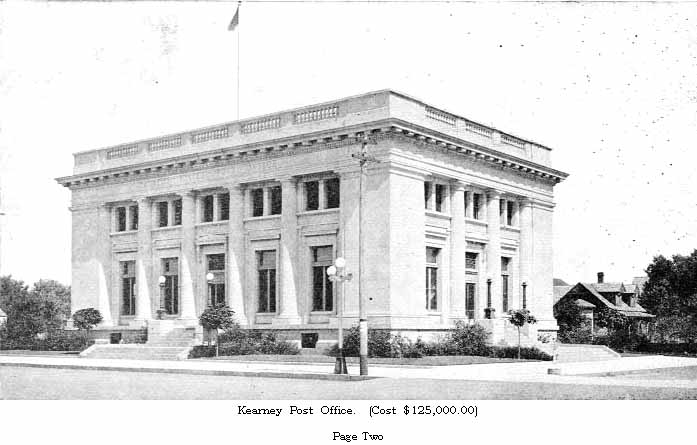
[389,129]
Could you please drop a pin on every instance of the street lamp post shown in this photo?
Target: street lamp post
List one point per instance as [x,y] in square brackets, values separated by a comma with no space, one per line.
[337,274]
[161,281]
[363,159]
[209,280]
[525,298]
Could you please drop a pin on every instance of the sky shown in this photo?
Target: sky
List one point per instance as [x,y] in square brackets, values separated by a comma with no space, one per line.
[611,87]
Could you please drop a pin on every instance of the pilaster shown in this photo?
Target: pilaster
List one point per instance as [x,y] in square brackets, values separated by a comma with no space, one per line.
[289,246]
[104,265]
[188,257]
[144,260]
[525,254]
[493,248]
[235,255]
[458,246]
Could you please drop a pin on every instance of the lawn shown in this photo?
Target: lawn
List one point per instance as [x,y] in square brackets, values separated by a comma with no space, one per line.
[423,361]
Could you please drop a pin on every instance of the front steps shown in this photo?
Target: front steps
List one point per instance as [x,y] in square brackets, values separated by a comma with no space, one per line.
[583,353]
[167,340]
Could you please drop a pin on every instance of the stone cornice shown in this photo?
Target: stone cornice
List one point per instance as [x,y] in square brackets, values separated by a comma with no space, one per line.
[386,129]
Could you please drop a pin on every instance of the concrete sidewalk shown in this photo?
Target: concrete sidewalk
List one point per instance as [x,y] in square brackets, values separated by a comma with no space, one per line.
[570,373]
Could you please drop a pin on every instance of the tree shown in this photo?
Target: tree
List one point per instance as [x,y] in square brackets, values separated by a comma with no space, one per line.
[519,318]
[30,312]
[217,317]
[573,325]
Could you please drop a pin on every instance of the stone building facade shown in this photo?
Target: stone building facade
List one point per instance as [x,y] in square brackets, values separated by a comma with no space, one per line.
[457,218]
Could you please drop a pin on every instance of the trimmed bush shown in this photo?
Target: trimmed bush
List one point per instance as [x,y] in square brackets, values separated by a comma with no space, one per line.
[237,341]
[526,353]
[379,343]
[54,341]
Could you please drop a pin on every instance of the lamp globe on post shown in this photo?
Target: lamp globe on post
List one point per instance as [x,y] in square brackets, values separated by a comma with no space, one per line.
[337,274]
[209,279]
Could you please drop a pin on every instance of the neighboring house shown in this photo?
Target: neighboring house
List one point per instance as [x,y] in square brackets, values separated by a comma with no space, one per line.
[3,317]
[456,218]
[623,298]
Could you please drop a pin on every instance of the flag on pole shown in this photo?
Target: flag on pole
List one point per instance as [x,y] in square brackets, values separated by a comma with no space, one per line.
[236,19]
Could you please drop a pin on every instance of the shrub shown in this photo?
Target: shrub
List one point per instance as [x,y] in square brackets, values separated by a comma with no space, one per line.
[527,353]
[237,341]
[467,339]
[86,319]
[53,341]
[379,343]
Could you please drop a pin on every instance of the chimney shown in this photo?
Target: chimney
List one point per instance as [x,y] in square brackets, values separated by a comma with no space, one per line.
[601,277]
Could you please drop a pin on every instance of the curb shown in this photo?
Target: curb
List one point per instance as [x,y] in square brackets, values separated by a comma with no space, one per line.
[269,374]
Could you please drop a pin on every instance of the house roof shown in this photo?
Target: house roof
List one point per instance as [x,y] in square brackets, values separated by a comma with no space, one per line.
[2,313]
[559,282]
[630,288]
[559,292]
[609,287]
[630,311]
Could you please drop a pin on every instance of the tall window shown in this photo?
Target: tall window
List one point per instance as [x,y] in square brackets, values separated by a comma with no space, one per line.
[477,205]
[128,287]
[224,206]
[440,198]
[509,214]
[177,209]
[276,200]
[120,219]
[471,261]
[427,194]
[170,270]
[332,192]
[162,212]
[312,195]
[432,278]
[258,202]
[216,286]
[208,208]
[504,282]
[470,296]
[322,289]
[266,271]
[134,217]
[468,199]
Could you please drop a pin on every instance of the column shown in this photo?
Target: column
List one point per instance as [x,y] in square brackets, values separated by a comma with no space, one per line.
[170,213]
[235,255]
[216,207]
[104,266]
[469,211]
[322,197]
[432,197]
[289,247]
[525,247]
[458,246]
[267,200]
[144,261]
[493,248]
[188,257]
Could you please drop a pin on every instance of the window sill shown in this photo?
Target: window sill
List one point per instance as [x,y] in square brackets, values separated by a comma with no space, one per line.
[476,221]
[261,218]
[318,212]
[164,229]
[511,228]
[211,223]
[125,232]
[436,214]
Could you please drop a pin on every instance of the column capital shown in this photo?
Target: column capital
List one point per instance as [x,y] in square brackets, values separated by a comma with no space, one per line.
[458,185]
[525,201]
[493,193]
[288,180]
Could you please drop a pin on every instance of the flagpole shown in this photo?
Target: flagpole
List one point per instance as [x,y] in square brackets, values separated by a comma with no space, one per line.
[239,37]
